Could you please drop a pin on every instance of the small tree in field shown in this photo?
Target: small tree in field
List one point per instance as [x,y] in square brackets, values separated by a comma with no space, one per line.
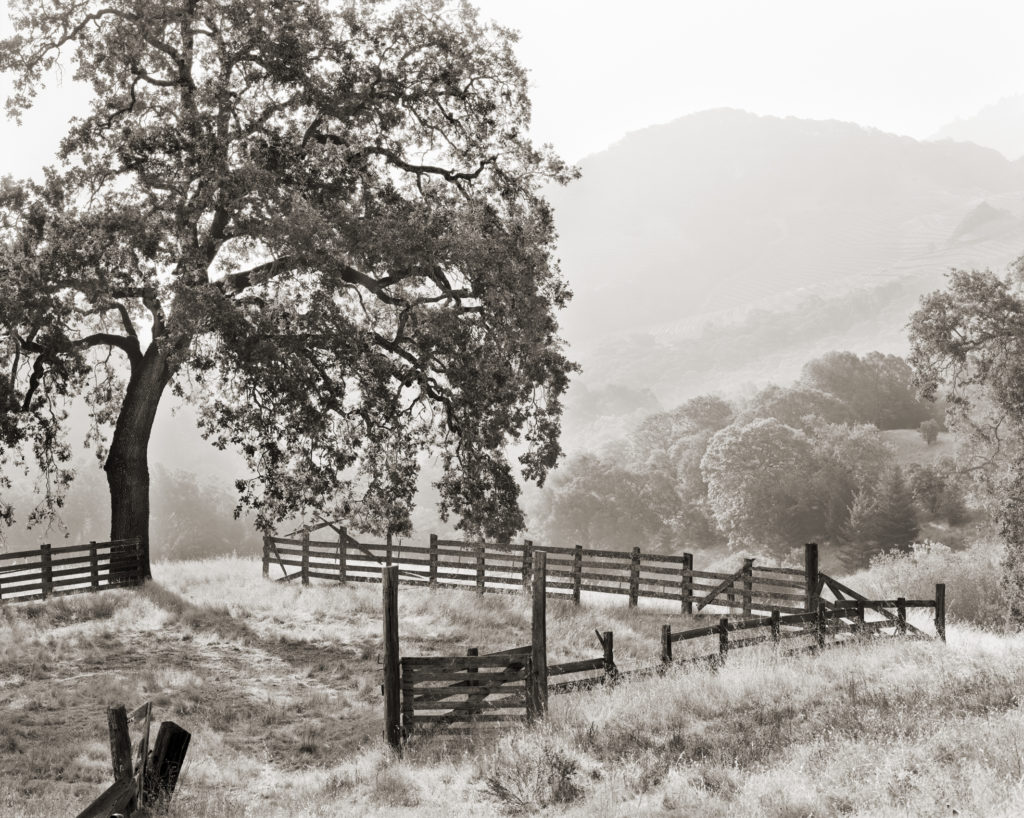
[319,222]
[929,430]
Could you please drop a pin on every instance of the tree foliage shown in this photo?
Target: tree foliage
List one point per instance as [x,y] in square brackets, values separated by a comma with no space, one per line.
[321,224]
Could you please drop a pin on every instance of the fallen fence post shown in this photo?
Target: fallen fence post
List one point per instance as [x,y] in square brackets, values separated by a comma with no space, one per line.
[748,586]
[433,559]
[537,682]
[634,576]
[940,611]
[811,575]
[577,573]
[610,671]
[392,690]
[686,579]
[305,556]
[723,639]
[901,616]
[776,627]
[666,644]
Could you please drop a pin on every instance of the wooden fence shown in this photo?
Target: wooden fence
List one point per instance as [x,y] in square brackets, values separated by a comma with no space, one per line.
[70,569]
[445,691]
[485,567]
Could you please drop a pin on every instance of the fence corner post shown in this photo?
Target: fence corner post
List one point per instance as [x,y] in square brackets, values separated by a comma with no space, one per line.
[666,644]
[433,559]
[537,692]
[305,556]
[577,573]
[686,585]
[940,611]
[47,569]
[634,576]
[811,575]
[392,683]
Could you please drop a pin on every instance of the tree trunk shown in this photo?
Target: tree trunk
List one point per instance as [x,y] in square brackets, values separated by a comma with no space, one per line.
[127,463]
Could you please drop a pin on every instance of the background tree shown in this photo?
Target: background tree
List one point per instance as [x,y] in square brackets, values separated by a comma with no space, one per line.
[929,430]
[319,223]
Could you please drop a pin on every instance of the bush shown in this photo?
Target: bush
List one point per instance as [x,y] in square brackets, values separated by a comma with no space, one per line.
[972,578]
[525,777]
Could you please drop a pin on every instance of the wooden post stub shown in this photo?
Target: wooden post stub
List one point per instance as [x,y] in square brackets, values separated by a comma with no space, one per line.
[811,575]
[266,556]
[723,639]
[392,684]
[634,576]
[666,644]
[940,611]
[537,695]
[901,616]
[776,627]
[433,559]
[305,556]
[46,558]
[748,586]
[165,764]
[120,743]
[94,566]
[686,580]
[577,573]
[480,568]
[607,643]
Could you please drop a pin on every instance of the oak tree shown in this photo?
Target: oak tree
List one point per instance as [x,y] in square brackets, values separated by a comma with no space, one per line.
[321,223]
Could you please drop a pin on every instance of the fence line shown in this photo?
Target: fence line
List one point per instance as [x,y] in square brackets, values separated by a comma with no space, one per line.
[487,567]
[70,569]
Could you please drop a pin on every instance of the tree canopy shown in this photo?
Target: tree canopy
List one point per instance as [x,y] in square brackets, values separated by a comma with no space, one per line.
[321,224]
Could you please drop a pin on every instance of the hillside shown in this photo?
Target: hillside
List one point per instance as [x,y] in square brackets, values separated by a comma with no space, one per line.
[279,685]
[999,126]
[724,246]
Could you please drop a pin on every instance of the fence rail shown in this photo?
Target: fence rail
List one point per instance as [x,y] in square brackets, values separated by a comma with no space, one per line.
[487,567]
[70,569]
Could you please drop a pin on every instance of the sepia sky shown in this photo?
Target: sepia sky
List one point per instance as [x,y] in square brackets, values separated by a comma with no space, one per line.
[601,68]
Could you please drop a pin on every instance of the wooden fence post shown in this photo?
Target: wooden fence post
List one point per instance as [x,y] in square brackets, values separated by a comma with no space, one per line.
[387,549]
[343,554]
[811,575]
[666,644]
[433,559]
[686,578]
[861,617]
[392,682]
[748,586]
[47,569]
[305,556]
[94,566]
[634,576]
[940,611]
[723,639]
[480,568]
[472,672]
[168,756]
[577,573]
[819,623]
[901,616]
[608,644]
[120,742]
[527,563]
[537,693]
[266,556]
[776,627]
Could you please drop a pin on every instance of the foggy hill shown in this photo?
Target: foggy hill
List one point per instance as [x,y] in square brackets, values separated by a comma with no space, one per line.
[999,126]
[725,246]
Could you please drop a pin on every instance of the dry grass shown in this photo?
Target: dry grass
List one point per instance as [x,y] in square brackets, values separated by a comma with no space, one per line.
[280,686]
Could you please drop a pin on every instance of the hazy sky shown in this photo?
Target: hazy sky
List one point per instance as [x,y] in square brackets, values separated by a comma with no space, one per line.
[600,68]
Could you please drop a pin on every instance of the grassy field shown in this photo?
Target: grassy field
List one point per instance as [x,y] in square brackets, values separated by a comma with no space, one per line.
[280,688]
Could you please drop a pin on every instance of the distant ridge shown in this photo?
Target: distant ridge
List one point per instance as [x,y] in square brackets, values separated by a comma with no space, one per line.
[999,126]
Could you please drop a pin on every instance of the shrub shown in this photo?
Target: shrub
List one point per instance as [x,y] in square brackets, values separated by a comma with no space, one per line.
[525,776]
